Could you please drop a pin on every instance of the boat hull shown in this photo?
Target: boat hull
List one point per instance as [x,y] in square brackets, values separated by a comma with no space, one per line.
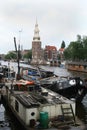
[75,91]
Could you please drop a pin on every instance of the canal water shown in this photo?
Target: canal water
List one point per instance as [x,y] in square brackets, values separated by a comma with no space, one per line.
[7,120]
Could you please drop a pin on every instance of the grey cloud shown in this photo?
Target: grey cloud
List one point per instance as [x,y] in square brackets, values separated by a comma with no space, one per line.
[58,20]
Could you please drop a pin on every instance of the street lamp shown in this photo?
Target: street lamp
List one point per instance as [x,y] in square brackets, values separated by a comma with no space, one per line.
[20,36]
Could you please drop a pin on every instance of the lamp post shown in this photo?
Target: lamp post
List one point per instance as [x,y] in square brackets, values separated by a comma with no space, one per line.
[20,36]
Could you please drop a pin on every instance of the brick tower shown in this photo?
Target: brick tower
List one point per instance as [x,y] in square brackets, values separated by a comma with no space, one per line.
[37,52]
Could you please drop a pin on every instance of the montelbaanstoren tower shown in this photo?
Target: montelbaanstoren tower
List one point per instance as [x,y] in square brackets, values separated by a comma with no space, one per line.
[37,52]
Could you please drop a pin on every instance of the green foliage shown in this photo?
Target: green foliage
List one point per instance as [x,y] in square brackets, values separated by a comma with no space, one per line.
[77,50]
[11,55]
[63,44]
[28,55]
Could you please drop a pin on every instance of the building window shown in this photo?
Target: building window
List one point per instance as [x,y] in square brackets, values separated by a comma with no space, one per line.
[16,106]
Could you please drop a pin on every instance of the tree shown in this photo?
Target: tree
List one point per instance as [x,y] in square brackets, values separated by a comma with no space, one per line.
[75,50]
[63,44]
[11,55]
[67,53]
[85,41]
[79,38]
[28,55]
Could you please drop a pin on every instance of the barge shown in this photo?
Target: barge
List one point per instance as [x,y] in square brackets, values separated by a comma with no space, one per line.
[77,66]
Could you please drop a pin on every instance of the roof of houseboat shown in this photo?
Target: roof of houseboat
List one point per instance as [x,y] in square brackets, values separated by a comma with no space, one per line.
[77,63]
[34,99]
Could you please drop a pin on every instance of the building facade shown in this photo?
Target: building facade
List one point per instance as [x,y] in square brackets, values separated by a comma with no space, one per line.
[50,53]
[61,53]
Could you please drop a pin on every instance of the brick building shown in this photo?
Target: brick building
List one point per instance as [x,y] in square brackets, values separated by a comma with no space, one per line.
[50,53]
[61,53]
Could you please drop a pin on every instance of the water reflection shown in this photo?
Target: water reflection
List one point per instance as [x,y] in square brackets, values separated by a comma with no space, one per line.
[7,120]
[14,123]
[2,110]
[81,112]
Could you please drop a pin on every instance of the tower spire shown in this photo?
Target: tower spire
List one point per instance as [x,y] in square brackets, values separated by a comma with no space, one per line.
[36,20]
[36,32]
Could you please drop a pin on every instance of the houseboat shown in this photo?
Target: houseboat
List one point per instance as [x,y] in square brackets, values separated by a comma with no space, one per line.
[7,71]
[69,87]
[38,105]
[36,71]
[77,66]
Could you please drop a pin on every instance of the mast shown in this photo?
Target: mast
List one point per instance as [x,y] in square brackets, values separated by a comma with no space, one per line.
[18,57]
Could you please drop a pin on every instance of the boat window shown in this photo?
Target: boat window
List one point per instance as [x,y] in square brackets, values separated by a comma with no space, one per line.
[30,88]
[72,82]
[16,106]
[81,82]
[33,113]
[60,84]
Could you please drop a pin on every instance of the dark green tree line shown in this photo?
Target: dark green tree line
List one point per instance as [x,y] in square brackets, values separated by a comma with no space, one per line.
[28,55]
[11,55]
[77,50]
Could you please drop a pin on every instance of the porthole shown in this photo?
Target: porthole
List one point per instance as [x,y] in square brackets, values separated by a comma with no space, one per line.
[32,114]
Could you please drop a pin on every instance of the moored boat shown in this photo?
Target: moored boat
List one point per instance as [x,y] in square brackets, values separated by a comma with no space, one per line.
[76,66]
[72,88]
[7,71]
[37,105]
[36,72]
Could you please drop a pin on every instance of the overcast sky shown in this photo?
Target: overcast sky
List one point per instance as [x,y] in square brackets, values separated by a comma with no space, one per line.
[57,20]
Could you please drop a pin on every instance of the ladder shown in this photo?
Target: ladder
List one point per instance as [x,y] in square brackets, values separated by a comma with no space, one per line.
[68,113]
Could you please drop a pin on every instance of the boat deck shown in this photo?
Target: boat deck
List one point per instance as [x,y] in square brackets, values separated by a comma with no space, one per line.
[48,97]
